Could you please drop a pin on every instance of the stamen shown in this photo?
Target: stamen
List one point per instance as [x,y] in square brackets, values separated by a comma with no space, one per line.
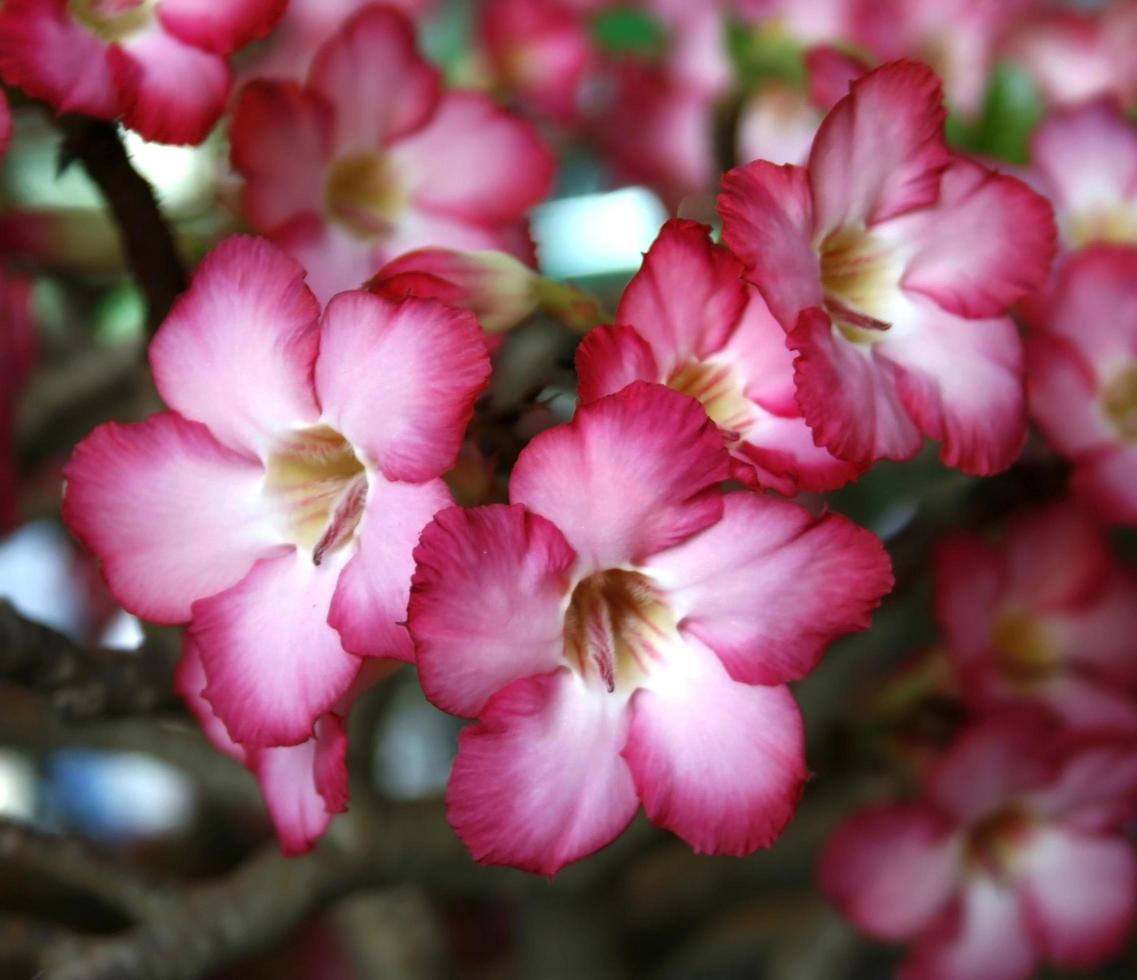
[345,518]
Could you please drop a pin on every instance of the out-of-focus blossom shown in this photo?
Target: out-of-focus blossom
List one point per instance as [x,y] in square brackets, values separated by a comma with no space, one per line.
[276,505]
[778,123]
[1076,55]
[814,22]
[17,357]
[624,632]
[1047,615]
[306,25]
[371,159]
[1085,160]
[159,65]
[689,321]
[499,290]
[5,124]
[1013,856]
[891,264]
[1082,375]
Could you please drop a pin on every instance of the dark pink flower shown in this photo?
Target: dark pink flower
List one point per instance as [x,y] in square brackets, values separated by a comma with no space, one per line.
[17,358]
[1013,856]
[624,633]
[891,264]
[159,65]
[1085,160]
[1045,616]
[689,321]
[371,159]
[1082,375]
[276,505]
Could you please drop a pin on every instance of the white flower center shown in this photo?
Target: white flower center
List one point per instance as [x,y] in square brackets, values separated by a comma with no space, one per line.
[364,195]
[321,488]
[616,627]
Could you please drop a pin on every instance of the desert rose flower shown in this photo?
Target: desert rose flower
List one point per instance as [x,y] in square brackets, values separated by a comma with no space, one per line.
[624,633]
[159,65]
[370,159]
[1082,375]
[5,124]
[1013,856]
[891,264]
[1085,160]
[276,505]
[1046,615]
[689,321]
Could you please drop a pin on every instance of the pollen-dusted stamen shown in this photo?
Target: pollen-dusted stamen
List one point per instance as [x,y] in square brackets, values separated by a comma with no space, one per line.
[1026,655]
[1119,399]
[994,843]
[320,486]
[616,626]
[856,276]
[363,193]
[717,388]
[113,20]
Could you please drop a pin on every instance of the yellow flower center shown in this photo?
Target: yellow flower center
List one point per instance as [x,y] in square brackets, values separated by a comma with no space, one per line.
[616,626]
[113,20]
[857,277]
[1026,655]
[994,843]
[1120,402]
[363,194]
[321,487]
[717,388]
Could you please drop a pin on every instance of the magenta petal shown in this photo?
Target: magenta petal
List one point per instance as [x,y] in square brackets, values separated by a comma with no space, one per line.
[611,358]
[539,782]
[399,380]
[236,351]
[369,607]
[769,586]
[487,603]
[173,516]
[633,473]
[718,763]
[274,664]
[891,868]
[220,27]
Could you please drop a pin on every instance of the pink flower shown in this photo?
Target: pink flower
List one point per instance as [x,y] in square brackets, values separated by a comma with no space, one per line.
[305,26]
[1045,616]
[370,159]
[1085,160]
[1013,856]
[688,320]
[159,65]
[5,124]
[276,505]
[624,632]
[1082,375]
[891,265]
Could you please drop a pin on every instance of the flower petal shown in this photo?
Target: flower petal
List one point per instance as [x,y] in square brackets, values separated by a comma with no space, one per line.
[1107,480]
[767,220]
[476,162]
[236,351]
[379,87]
[687,298]
[539,782]
[304,785]
[1080,896]
[632,474]
[280,142]
[1061,386]
[399,380]
[985,244]
[369,608]
[769,586]
[189,682]
[848,396]
[891,868]
[220,27]
[961,381]
[487,603]
[172,515]
[48,54]
[880,151]
[274,664]
[718,763]
[611,358]
[171,92]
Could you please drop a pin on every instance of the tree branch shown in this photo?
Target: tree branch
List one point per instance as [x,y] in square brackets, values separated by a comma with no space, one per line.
[83,684]
[146,239]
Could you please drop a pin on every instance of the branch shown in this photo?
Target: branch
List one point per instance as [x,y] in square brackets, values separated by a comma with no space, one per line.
[83,684]
[146,239]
